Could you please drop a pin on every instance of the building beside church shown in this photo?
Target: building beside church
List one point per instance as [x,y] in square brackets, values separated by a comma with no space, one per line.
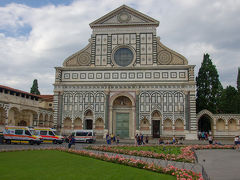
[125,81]
[20,108]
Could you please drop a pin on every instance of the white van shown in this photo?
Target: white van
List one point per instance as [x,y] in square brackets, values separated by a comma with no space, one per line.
[14,134]
[48,135]
[87,136]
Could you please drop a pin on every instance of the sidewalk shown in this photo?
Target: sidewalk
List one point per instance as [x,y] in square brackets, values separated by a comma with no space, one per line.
[220,164]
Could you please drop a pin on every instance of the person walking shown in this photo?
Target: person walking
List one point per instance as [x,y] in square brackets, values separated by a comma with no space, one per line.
[141,140]
[71,141]
[136,140]
[146,139]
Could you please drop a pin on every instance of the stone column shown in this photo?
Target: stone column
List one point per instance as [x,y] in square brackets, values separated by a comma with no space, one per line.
[110,122]
[137,110]
[106,122]
[57,106]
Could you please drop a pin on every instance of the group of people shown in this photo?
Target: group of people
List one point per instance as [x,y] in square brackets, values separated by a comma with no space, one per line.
[174,140]
[111,138]
[139,139]
[203,135]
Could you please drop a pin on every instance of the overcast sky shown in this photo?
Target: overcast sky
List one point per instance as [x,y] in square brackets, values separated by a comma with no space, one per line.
[37,35]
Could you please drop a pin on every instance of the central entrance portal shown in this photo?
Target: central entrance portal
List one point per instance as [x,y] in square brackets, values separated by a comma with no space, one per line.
[122,116]
[122,124]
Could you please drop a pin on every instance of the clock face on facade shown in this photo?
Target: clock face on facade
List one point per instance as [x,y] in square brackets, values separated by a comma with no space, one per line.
[123,56]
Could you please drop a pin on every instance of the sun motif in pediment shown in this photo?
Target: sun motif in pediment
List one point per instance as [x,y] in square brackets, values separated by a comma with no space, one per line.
[124,17]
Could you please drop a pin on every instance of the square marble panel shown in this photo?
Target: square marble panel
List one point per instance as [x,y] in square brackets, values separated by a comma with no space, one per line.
[182,75]
[131,75]
[82,75]
[90,76]
[164,74]
[173,75]
[66,75]
[99,75]
[106,75]
[74,75]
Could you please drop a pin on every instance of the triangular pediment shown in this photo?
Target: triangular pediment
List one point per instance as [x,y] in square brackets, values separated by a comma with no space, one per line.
[124,16]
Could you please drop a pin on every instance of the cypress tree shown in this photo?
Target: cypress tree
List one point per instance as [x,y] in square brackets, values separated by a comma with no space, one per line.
[209,87]
[34,89]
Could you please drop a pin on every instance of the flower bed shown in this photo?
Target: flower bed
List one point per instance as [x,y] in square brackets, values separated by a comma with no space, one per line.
[180,174]
[187,154]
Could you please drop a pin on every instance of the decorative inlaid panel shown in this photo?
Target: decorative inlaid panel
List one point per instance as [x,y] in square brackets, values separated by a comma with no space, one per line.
[146,48]
[125,76]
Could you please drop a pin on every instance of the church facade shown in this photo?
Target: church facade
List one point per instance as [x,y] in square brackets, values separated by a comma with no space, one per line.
[125,81]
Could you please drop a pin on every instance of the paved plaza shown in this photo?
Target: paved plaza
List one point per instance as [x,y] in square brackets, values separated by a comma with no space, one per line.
[220,164]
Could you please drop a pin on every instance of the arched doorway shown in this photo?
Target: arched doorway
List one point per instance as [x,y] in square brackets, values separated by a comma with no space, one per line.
[156,121]
[205,124]
[88,119]
[122,111]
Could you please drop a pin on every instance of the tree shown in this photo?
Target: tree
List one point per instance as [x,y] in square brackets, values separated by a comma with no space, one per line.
[209,87]
[34,88]
[229,100]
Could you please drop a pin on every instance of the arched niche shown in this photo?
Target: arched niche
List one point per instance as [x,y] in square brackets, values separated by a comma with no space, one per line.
[220,125]
[232,125]
[179,125]
[67,123]
[78,123]
[167,125]
[99,124]
[144,125]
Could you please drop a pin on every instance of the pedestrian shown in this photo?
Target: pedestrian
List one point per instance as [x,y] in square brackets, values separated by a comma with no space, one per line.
[107,138]
[174,140]
[199,135]
[236,140]
[141,140]
[71,141]
[210,139]
[146,139]
[118,139]
[114,138]
[136,140]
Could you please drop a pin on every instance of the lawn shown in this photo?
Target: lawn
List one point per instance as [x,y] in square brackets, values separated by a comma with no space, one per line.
[156,149]
[56,165]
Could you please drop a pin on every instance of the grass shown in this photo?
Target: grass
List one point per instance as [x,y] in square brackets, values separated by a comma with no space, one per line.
[56,165]
[156,149]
